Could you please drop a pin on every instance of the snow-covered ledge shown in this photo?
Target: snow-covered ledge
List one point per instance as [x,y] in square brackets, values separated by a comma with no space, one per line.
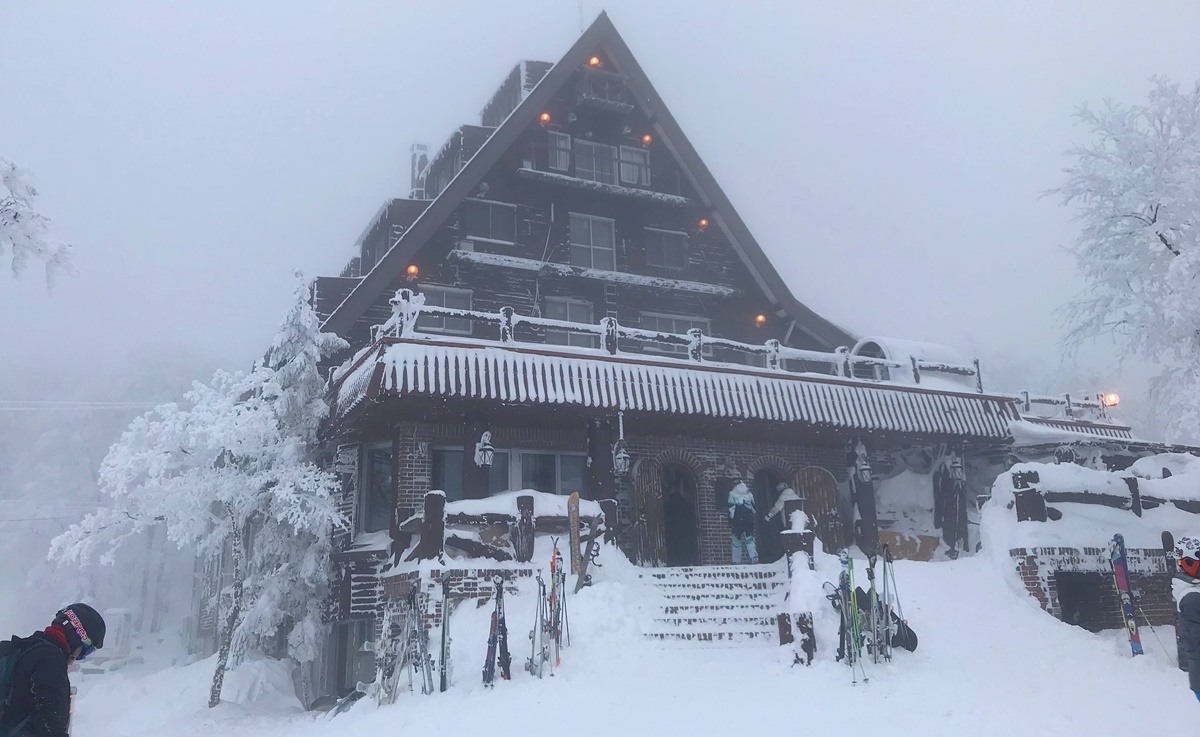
[613,277]
[604,187]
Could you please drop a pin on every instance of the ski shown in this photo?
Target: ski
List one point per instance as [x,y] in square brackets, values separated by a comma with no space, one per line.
[1120,567]
[503,658]
[489,665]
[874,619]
[1168,544]
[538,636]
[583,578]
[444,662]
[573,530]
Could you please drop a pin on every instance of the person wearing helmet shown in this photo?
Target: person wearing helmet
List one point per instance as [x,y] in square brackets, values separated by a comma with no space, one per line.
[786,494]
[1186,588]
[741,523]
[35,693]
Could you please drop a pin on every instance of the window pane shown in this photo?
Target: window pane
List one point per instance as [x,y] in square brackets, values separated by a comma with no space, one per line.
[435,297]
[476,217]
[573,475]
[377,514]
[580,231]
[458,325]
[579,312]
[538,471]
[602,233]
[602,258]
[498,474]
[457,300]
[581,256]
[557,309]
[654,248]
[560,151]
[447,472]
[584,340]
[675,251]
[557,337]
[504,223]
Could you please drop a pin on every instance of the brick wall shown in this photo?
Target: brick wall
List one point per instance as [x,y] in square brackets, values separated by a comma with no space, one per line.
[466,584]
[1076,585]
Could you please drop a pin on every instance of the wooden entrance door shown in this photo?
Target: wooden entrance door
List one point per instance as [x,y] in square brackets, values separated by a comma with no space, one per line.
[678,492]
[769,547]
[648,511]
[818,487]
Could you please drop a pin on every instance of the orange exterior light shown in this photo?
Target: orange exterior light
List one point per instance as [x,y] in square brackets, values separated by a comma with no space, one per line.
[413,271]
[544,118]
[594,61]
[703,223]
[1111,399]
[760,320]
[646,139]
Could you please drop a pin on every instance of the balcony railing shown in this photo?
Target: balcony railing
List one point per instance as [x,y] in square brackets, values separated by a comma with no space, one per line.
[604,90]
[625,172]
[616,339]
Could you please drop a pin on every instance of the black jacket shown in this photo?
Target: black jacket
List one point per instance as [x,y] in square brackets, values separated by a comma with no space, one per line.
[41,694]
[1189,636]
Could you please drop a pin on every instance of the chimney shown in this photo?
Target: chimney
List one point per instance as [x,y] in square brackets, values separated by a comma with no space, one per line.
[420,159]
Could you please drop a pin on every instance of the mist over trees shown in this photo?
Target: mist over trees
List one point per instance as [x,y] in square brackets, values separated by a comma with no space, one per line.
[1136,188]
[24,232]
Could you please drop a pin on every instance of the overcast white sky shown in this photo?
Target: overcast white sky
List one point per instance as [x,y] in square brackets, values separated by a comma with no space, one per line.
[889,157]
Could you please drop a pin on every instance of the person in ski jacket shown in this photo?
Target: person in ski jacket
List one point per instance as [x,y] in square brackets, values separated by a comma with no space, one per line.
[1186,588]
[786,494]
[36,701]
[741,523]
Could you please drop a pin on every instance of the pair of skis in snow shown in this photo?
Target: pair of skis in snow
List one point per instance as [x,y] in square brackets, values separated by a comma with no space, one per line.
[497,648]
[551,629]
[869,621]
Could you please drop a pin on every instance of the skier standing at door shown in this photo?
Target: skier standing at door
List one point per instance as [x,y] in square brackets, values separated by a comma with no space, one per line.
[786,494]
[741,523]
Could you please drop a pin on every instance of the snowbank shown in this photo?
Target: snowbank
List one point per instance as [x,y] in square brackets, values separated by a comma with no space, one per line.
[545,504]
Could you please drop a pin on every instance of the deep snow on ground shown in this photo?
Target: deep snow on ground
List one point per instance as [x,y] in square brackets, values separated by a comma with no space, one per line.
[990,663]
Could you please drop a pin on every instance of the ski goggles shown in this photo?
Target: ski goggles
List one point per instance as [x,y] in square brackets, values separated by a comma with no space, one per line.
[1190,566]
[88,647]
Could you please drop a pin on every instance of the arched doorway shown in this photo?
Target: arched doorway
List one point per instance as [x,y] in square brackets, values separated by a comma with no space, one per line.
[763,487]
[818,488]
[678,490]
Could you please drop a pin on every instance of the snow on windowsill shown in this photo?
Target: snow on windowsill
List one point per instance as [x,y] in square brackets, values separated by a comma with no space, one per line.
[604,187]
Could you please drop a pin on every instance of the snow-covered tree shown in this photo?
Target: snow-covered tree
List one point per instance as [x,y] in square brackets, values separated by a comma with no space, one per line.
[23,230]
[1136,187]
[232,473]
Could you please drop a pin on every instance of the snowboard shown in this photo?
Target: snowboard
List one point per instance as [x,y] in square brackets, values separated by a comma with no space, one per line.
[1120,566]
[573,530]
[903,636]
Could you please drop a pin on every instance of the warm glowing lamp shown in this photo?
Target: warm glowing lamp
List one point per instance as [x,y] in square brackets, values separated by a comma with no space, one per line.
[594,61]
[1111,399]
[544,118]
[412,271]
[703,223]
[646,139]
[760,320]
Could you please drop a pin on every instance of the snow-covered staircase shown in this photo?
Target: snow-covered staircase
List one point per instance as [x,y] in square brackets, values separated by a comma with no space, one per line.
[722,605]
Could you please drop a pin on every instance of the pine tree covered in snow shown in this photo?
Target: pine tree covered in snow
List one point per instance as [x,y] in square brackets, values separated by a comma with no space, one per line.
[1137,190]
[231,472]
[23,230]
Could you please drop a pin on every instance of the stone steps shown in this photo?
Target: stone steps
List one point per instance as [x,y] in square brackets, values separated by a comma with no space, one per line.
[716,606]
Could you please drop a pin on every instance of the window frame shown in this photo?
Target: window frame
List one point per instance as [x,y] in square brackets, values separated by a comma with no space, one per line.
[423,320]
[556,153]
[365,485]
[570,337]
[595,148]
[671,349]
[491,205]
[646,247]
[640,169]
[591,246]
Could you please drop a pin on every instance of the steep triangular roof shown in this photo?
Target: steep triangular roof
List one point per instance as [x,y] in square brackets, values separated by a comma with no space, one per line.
[600,35]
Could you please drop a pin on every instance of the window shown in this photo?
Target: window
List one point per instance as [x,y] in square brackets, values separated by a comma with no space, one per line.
[560,151]
[666,248]
[556,473]
[447,469]
[570,310]
[493,221]
[596,161]
[444,297]
[635,166]
[377,488]
[593,242]
[672,324]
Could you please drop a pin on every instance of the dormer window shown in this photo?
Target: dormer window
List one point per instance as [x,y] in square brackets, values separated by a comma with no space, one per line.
[490,221]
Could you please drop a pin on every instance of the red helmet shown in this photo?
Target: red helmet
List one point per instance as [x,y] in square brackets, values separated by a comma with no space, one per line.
[1187,552]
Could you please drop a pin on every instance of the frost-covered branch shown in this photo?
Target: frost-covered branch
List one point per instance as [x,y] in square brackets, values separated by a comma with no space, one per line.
[23,230]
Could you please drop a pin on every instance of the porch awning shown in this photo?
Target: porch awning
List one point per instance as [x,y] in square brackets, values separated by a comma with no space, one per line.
[520,375]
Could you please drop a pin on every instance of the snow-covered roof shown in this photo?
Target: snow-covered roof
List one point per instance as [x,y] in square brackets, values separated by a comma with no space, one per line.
[1030,430]
[591,378]
[900,350]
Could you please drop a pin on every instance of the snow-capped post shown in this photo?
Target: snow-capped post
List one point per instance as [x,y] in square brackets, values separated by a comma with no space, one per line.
[1135,495]
[522,534]
[916,368]
[403,318]
[862,491]
[696,344]
[610,510]
[609,325]
[978,376]
[773,354]
[1025,405]
[433,528]
[506,325]
[843,366]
